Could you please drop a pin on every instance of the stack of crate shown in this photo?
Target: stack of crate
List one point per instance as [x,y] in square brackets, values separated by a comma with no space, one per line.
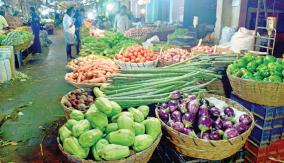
[264,154]
[267,133]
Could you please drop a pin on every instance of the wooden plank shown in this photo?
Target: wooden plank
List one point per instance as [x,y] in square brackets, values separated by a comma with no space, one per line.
[243,13]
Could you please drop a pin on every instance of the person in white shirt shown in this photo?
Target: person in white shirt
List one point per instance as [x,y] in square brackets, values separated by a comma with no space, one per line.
[121,22]
[69,31]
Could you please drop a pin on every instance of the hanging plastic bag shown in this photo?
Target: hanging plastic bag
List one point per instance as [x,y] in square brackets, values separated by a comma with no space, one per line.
[242,40]
[227,33]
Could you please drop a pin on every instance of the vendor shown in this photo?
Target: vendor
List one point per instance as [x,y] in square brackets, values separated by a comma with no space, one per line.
[69,31]
[121,22]
[3,21]
[79,18]
[35,23]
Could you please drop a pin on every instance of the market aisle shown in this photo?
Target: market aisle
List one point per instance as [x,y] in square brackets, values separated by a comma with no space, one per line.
[42,95]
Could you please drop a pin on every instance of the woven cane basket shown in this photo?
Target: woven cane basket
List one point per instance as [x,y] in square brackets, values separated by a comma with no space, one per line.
[217,87]
[68,110]
[263,93]
[84,85]
[208,149]
[23,46]
[140,157]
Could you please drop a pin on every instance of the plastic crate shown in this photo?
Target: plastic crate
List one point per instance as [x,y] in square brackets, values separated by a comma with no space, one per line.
[263,112]
[254,149]
[266,124]
[260,136]
[279,112]
[246,104]
[283,129]
[274,148]
[253,153]
[277,122]
[276,133]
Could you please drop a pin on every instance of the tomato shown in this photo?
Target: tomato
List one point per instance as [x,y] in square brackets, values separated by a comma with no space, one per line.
[132,57]
[154,57]
[129,55]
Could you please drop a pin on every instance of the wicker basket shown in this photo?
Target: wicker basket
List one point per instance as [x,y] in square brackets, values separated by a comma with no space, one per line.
[67,110]
[263,93]
[208,149]
[140,157]
[218,87]
[23,46]
[128,65]
[84,85]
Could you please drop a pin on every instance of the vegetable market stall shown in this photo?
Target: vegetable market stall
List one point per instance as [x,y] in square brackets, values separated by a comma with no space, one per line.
[21,39]
[175,98]
[162,86]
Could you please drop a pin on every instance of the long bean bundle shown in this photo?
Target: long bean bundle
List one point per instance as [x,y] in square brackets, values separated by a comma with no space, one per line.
[153,85]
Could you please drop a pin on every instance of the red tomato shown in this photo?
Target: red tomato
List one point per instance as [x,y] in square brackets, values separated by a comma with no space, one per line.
[129,55]
[153,58]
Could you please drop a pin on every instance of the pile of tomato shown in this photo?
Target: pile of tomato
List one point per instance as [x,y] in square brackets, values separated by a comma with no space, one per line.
[137,54]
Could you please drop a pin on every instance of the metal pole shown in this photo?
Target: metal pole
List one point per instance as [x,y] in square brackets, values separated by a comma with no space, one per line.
[265,8]
[256,21]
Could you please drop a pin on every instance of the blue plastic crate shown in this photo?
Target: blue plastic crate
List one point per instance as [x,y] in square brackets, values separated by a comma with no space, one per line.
[240,101]
[264,112]
[277,123]
[265,124]
[263,137]
[279,112]
[283,129]
[260,136]
[276,133]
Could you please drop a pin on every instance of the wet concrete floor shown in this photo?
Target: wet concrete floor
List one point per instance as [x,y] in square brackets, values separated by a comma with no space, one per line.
[42,94]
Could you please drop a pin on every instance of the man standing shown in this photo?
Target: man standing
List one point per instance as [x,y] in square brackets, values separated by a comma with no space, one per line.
[121,22]
[69,31]
[79,18]
[35,23]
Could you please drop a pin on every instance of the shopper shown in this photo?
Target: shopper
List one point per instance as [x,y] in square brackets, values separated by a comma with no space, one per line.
[69,31]
[35,23]
[79,18]
[3,21]
[121,22]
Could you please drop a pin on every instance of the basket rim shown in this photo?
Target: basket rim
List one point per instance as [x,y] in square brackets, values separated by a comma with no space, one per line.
[64,98]
[156,60]
[98,57]
[213,141]
[253,81]
[155,143]
[83,85]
